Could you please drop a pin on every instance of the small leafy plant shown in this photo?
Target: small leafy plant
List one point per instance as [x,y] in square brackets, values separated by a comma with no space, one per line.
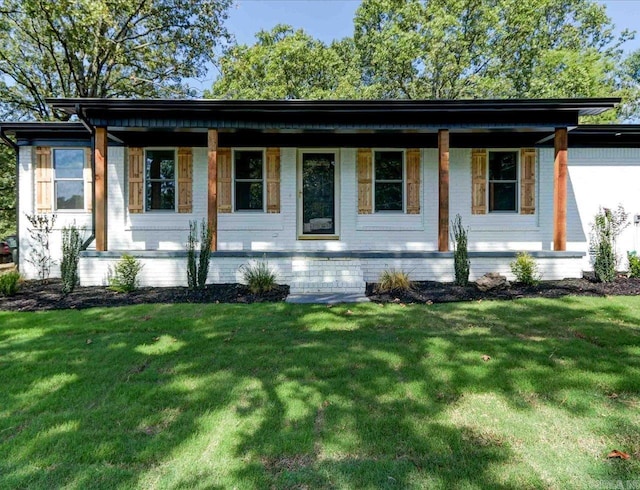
[259,277]
[461,263]
[40,254]
[393,280]
[9,283]
[123,278]
[198,270]
[605,229]
[525,269]
[71,246]
[634,264]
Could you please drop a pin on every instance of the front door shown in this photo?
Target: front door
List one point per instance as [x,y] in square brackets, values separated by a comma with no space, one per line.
[317,194]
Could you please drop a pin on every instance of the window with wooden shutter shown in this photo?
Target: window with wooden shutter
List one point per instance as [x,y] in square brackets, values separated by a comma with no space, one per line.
[224,180]
[88,180]
[413,181]
[185,180]
[479,181]
[527,181]
[365,177]
[136,180]
[273,180]
[44,180]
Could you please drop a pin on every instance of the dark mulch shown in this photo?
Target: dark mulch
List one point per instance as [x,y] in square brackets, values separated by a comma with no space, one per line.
[437,292]
[39,296]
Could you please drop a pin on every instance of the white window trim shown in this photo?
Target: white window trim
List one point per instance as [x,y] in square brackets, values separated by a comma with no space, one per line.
[517,181]
[404,180]
[175,179]
[54,200]
[264,180]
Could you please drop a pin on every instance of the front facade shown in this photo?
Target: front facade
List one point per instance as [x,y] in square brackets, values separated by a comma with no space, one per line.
[329,193]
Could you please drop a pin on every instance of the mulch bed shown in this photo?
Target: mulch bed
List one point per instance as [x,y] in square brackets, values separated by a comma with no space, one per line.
[437,292]
[40,296]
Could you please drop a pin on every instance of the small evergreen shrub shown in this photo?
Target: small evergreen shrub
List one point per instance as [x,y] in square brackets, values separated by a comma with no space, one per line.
[71,246]
[605,229]
[198,270]
[123,278]
[259,277]
[525,269]
[634,264]
[393,280]
[461,263]
[9,283]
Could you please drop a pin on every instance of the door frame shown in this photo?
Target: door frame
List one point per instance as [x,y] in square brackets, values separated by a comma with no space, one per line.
[336,195]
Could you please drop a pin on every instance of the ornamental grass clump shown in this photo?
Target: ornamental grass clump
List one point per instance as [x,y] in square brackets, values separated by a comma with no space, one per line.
[259,277]
[9,283]
[461,263]
[525,269]
[123,278]
[393,280]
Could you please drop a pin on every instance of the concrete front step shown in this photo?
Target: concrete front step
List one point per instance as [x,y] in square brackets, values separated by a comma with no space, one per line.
[356,287]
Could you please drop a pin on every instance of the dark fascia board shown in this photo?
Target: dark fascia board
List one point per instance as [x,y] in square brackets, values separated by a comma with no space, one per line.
[605,135]
[584,106]
[43,129]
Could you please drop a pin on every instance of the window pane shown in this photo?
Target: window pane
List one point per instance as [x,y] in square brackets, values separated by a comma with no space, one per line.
[388,196]
[502,197]
[502,165]
[248,164]
[68,163]
[161,195]
[388,165]
[248,195]
[160,164]
[69,194]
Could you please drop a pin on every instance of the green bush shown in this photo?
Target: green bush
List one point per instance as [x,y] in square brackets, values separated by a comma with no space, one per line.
[525,269]
[259,277]
[9,283]
[123,278]
[461,263]
[605,229]
[634,264]
[393,280]
[71,246]
[197,271]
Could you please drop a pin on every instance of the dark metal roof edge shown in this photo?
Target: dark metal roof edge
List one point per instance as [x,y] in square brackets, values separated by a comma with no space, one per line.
[607,128]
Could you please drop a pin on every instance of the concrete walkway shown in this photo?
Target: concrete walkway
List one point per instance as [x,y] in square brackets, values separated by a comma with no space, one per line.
[327,298]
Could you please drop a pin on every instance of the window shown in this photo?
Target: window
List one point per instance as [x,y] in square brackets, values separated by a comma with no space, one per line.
[160,180]
[503,181]
[68,165]
[389,180]
[249,180]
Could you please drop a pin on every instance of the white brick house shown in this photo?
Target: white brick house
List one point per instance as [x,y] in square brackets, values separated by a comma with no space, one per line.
[331,192]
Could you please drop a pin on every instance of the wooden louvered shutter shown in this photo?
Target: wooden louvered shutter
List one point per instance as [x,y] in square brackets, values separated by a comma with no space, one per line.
[224,180]
[479,181]
[185,180]
[527,181]
[413,181]
[365,181]
[136,180]
[273,180]
[44,180]
[88,180]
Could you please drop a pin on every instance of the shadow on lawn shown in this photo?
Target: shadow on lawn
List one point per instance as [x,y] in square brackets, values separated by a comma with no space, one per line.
[296,397]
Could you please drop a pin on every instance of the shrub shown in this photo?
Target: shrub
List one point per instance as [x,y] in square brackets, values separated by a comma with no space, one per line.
[461,263]
[123,278]
[393,280]
[71,246]
[197,271]
[259,277]
[9,283]
[605,229]
[525,269]
[634,264]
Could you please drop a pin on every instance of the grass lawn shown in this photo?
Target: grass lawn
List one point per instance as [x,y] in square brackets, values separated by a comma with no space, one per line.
[305,396]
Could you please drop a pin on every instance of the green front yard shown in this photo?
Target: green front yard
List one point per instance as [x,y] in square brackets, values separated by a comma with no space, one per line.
[284,396]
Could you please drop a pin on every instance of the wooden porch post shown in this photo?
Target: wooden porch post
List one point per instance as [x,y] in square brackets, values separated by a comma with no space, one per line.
[560,190]
[443,190]
[212,203]
[101,191]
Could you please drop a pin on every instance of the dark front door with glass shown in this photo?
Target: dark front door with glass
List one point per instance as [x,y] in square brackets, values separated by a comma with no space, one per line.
[318,193]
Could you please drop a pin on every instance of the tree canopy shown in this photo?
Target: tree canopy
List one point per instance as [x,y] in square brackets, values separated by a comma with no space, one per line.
[102,48]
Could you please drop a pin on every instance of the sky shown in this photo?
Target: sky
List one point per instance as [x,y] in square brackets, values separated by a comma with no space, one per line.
[333,19]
